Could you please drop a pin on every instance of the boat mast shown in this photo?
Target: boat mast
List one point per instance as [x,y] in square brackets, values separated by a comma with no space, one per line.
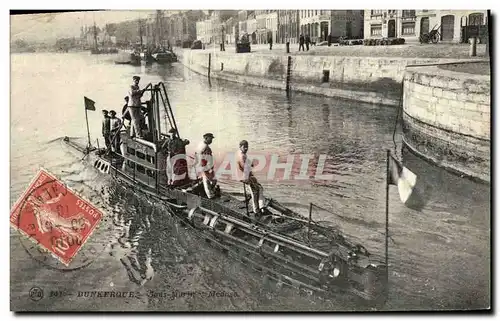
[140,31]
[158,28]
[95,36]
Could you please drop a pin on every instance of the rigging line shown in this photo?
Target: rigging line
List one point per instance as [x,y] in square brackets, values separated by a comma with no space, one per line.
[400,106]
[167,115]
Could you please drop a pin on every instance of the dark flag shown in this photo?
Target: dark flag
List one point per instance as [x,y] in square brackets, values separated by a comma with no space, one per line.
[406,181]
[89,103]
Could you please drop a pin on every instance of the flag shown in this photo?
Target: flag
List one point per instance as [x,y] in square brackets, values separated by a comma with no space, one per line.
[402,177]
[411,192]
[89,103]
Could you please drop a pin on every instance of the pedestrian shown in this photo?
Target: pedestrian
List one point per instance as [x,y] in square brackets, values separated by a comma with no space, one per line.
[204,158]
[245,170]
[134,107]
[308,41]
[270,40]
[301,42]
[106,129]
[115,126]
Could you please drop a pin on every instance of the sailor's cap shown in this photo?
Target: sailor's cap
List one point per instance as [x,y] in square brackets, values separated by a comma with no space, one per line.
[136,77]
[104,111]
[209,135]
[112,112]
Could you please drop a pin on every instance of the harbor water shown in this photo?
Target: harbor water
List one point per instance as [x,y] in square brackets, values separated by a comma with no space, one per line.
[439,257]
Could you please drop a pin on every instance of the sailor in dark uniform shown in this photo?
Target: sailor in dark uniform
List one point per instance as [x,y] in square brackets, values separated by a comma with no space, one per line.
[126,112]
[106,129]
[177,153]
[115,126]
[134,107]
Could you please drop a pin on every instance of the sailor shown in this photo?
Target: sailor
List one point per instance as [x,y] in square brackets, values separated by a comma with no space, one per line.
[134,107]
[115,126]
[245,170]
[177,153]
[126,112]
[204,158]
[106,129]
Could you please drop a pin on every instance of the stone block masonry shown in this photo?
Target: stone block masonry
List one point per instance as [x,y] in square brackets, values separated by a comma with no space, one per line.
[447,118]
[366,79]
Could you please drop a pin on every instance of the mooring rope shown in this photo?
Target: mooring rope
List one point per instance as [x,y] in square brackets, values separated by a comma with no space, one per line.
[400,107]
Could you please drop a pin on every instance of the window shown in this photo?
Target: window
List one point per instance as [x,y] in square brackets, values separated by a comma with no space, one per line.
[130,151]
[408,13]
[376,30]
[476,19]
[140,155]
[130,164]
[408,28]
[150,159]
[376,12]
[141,169]
[150,173]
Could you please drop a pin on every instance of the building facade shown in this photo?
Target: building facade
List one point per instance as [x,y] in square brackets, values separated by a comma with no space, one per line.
[318,24]
[204,31]
[181,26]
[314,23]
[347,23]
[251,25]
[288,26]
[410,24]
[247,25]
[267,25]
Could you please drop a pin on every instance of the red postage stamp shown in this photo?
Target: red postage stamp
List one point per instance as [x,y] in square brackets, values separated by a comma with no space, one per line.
[54,217]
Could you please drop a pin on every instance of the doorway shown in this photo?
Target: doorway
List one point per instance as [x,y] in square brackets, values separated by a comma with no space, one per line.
[447,27]
[348,29]
[391,29]
[324,31]
[424,25]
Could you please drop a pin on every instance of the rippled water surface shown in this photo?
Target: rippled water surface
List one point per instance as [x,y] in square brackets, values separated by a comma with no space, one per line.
[439,257]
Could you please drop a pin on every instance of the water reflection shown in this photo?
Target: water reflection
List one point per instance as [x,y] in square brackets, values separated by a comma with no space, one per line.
[135,237]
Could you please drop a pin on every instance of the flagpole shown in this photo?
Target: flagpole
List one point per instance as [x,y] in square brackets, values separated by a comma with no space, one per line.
[387,217]
[88,131]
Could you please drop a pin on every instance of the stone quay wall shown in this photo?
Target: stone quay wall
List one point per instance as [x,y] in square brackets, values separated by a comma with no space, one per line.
[447,119]
[366,79]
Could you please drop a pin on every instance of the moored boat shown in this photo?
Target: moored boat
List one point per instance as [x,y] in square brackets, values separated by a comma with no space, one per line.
[128,58]
[281,243]
[165,57]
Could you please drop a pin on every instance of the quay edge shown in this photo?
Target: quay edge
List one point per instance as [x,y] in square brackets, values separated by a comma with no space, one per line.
[375,80]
